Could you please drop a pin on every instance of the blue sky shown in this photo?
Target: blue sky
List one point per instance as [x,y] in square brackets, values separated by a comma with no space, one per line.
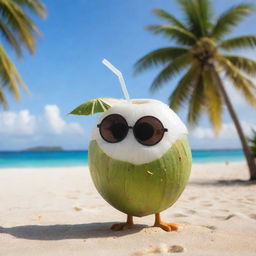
[67,71]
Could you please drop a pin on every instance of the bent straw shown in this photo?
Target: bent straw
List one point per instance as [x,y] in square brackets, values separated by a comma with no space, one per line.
[120,77]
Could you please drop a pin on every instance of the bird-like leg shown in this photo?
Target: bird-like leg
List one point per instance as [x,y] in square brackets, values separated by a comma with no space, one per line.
[123,226]
[163,225]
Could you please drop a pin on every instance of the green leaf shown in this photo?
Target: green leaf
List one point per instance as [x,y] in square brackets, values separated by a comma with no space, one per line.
[172,69]
[34,6]
[3,100]
[252,143]
[230,19]
[176,33]
[196,102]
[248,41]
[159,56]
[94,106]
[169,17]
[13,14]
[19,31]
[9,76]
[197,14]
[213,99]
[205,14]
[10,38]
[183,90]
[242,63]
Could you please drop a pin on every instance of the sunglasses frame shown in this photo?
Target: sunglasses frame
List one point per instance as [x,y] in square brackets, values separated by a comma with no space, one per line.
[131,127]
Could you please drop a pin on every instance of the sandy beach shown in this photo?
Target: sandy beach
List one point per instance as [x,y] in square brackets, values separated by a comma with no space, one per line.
[57,211]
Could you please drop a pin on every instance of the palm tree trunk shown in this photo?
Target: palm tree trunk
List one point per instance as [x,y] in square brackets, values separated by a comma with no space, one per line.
[250,160]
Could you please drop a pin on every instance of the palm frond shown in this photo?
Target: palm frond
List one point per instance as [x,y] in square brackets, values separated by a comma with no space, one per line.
[185,86]
[248,41]
[252,143]
[242,63]
[159,56]
[19,23]
[172,69]
[34,6]
[213,99]
[9,76]
[169,17]
[242,83]
[18,29]
[205,16]
[176,33]
[10,38]
[3,100]
[230,18]
[198,14]
[196,102]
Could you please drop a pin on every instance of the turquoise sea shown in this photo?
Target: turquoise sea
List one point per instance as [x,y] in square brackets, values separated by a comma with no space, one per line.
[79,158]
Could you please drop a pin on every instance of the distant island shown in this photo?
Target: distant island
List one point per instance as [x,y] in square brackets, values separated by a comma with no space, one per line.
[41,148]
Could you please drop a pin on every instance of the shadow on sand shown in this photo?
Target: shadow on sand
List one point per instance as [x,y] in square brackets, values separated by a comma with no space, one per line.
[222,183]
[60,232]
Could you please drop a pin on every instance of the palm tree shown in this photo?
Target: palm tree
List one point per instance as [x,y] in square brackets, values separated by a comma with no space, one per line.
[201,50]
[18,31]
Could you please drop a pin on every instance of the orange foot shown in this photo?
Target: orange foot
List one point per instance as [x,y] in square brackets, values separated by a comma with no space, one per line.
[163,225]
[167,226]
[123,226]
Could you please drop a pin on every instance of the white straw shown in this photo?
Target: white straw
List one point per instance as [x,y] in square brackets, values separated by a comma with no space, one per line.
[120,77]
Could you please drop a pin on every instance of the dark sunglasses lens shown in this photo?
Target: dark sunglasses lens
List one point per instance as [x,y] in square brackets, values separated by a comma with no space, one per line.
[148,131]
[113,128]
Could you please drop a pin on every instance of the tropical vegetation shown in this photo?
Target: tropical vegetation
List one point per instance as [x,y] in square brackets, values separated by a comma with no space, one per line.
[18,31]
[252,143]
[202,52]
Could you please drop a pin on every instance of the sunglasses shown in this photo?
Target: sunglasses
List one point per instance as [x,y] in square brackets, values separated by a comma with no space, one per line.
[148,130]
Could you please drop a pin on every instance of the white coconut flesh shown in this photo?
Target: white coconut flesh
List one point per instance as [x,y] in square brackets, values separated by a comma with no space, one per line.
[129,149]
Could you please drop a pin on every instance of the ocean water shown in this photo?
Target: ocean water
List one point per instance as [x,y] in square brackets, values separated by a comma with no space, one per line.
[80,158]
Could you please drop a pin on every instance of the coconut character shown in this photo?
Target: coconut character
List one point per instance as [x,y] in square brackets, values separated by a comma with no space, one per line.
[139,157]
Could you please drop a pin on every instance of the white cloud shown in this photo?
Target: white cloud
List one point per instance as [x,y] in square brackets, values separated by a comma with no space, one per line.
[54,124]
[228,131]
[17,124]
[53,119]
[204,137]
[22,129]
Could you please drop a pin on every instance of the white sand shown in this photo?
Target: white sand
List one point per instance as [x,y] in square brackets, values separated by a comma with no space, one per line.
[57,211]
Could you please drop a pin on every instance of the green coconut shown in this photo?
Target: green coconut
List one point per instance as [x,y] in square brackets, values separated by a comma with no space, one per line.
[136,179]
[144,189]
